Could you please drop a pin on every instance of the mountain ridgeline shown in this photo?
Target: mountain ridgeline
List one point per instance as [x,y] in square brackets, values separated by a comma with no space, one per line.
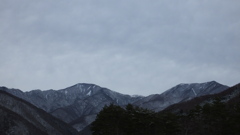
[79,104]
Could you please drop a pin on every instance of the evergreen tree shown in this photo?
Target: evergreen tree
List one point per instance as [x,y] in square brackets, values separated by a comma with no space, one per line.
[108,121]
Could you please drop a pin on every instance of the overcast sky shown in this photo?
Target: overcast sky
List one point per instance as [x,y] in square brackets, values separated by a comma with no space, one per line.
[129,46]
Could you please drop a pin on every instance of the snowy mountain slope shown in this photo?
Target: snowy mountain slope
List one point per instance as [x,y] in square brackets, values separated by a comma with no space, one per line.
[229,96]
[88,107]
[179,93]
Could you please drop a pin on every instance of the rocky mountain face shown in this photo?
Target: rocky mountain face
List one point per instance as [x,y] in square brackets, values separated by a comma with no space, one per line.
[79,104]
[19,117]
[179,93]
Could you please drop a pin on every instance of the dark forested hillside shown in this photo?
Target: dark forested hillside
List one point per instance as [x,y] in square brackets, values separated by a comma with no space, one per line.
[216,118]
[131,120]
[12,123]
[18,117]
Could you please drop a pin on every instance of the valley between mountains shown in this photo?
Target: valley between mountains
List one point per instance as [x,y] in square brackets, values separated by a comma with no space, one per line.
[77,106]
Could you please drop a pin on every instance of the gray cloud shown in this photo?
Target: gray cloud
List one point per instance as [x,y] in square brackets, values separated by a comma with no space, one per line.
[134,47]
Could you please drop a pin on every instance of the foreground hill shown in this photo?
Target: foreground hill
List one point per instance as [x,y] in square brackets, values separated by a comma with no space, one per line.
[19,117]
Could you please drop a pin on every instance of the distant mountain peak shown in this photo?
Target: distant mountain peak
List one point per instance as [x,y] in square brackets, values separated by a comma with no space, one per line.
[179,93]
[197,87]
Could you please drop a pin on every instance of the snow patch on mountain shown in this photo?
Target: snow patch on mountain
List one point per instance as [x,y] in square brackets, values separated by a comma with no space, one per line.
[89,93]
[194,92]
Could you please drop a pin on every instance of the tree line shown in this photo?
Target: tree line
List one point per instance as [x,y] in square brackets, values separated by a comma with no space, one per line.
[216,118]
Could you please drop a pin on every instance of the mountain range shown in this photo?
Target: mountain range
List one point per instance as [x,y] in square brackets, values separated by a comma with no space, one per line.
[79,104]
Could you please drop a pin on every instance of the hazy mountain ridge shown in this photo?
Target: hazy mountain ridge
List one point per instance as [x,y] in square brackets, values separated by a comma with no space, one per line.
[79,104]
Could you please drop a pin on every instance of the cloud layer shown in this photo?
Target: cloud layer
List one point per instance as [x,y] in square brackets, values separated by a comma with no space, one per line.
[133,47]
